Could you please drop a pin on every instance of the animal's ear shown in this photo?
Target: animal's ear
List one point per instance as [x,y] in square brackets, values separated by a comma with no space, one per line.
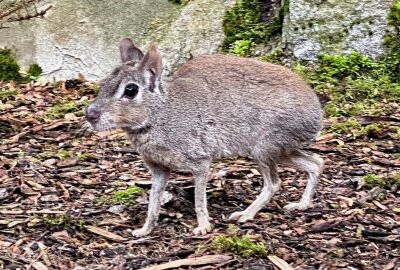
[129,52]
[151,66]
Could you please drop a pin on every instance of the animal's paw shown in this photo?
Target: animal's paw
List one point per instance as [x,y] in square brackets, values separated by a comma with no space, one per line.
[296,206]
[241,216]
[141,232]
[202,230]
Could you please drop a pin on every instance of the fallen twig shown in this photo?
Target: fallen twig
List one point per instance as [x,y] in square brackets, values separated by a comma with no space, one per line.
[21,212]
[209,259]
[281,264]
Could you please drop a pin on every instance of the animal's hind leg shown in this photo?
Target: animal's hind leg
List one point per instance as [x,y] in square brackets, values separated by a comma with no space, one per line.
[269,172]
[313,166]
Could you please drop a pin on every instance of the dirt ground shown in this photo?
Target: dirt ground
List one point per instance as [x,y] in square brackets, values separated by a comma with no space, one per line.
[56,178]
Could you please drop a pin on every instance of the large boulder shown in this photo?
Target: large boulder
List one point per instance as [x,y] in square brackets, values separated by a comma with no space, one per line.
[82,36]
[336,26]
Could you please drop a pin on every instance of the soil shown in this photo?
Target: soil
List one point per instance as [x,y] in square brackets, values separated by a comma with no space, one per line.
[55,176]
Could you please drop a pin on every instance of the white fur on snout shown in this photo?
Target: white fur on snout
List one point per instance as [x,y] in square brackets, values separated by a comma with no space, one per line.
[104,123]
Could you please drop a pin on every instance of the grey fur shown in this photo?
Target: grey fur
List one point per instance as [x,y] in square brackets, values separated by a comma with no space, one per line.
[213,107]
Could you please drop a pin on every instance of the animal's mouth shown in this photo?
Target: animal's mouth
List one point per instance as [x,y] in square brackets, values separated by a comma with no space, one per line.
[102,123]
[136,127]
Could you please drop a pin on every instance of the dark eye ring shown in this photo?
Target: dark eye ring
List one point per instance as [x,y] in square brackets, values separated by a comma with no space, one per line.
[131,90]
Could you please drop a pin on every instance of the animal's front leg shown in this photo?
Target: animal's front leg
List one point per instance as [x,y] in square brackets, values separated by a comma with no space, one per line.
[160,178]
[204,225]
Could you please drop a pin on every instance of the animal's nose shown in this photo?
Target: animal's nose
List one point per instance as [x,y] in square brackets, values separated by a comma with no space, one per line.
[92,114]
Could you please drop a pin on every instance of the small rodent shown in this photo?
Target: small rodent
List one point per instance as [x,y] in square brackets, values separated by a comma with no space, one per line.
[213,107]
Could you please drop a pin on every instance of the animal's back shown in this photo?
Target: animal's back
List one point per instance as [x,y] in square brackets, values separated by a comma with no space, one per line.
[236,106]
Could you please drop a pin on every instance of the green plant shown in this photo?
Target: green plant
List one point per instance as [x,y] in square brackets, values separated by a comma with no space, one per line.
[9,68]
[372,130]
[125,196]
[274,27]
[349,126]
[6,93]
[354,83]
[373,180]
[59,110]
[243,246]
[392,43]
[243,27]
[44,155]
[243,23]
[64,154]
[34,71]
[82,157]
[65,221]
[274,56]
[241,47]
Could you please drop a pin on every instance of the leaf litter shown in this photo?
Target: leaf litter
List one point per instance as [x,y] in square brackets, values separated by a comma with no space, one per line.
[53,173]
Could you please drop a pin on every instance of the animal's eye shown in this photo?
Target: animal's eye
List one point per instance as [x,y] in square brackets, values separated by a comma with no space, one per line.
[131,90]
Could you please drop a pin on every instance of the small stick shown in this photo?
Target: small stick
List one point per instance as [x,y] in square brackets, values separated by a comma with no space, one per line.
[209,259]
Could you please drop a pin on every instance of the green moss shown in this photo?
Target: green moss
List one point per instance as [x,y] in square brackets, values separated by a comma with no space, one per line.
[65,221]
[241,47]
[6,93]
[392,43]
[59,110]
[243,22]
[275,56]
[9,68]
[82,157]
[373,180]
[44,155]
[125,196]
[350,126]
[244,28]
[243,246]
[64,154]
[372,130]
[274,27]
[354,83]
[34,71]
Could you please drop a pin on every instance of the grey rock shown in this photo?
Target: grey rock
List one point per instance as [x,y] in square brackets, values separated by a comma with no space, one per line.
[82,36]
[336,26]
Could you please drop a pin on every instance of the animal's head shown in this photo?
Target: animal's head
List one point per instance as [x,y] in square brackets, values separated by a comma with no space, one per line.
[127,94]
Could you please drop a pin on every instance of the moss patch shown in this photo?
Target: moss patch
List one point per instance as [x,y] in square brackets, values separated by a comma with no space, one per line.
[34,71]
[65,221]
[64,154]
[242,246]
[373,180]
[9,68]
[7,93]
[392,43]
[354,84]
[126,196]
[59,110]
[244,28]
